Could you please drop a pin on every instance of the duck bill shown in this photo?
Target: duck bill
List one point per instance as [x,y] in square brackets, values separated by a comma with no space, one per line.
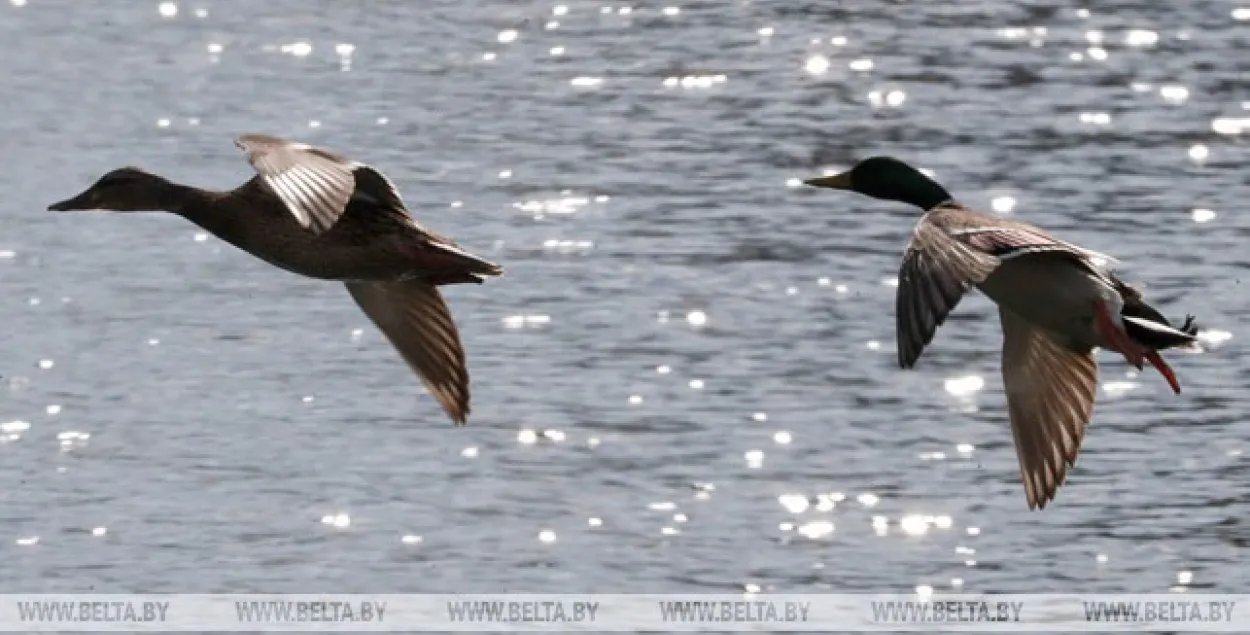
[838,181]
[81,202]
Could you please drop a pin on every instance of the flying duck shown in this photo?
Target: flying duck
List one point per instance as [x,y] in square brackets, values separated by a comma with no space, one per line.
[1056,301]
[320,215]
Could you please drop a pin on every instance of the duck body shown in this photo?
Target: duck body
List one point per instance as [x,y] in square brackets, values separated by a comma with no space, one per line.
[1060,297]
[320,215]
[1057,303]
[362,246]
[1055,285]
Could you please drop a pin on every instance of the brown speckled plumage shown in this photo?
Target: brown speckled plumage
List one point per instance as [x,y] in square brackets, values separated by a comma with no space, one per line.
[320,215]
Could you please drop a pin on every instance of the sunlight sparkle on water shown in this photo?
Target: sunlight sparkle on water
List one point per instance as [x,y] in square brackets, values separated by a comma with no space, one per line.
[696,318]
[868,500]
[1174,93]
[1199,152]
[1230,125]
[527,437]
[816,529]
[1214,337]
[548,536]
[794,503]
[300,48]
[586,82]
[410,539]
[1141,38]
[1003,204]
[14,427]
[1115,389]
[862,65]
[893,98]
[817,65]
[964,386]
[168,9]
[781,437]
[565,204]
[509,35]
[99,531]
[338,521]
[524,321]
[914,525]
[1096,118]
[754,459]
[1203,215]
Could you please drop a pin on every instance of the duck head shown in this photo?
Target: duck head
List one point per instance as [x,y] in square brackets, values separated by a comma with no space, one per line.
[126,189]
[890,179]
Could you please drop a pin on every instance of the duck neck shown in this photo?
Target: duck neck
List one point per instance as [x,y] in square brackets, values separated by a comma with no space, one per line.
[192,203]
[923,192]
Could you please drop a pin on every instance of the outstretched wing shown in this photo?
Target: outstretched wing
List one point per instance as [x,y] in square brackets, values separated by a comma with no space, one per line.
[415,319]
[936,272]
[316,185]
[1050,396]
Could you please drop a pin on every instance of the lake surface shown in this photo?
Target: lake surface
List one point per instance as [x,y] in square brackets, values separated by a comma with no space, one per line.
[687,379]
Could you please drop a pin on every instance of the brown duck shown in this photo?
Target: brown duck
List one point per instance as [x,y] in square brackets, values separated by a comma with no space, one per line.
[1056,302]
[321,215]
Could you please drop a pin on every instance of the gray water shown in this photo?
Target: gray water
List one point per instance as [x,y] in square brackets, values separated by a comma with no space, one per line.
[687,379]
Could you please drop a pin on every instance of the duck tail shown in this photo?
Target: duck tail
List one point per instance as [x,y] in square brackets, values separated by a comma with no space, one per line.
[449,264]
[1158,334]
